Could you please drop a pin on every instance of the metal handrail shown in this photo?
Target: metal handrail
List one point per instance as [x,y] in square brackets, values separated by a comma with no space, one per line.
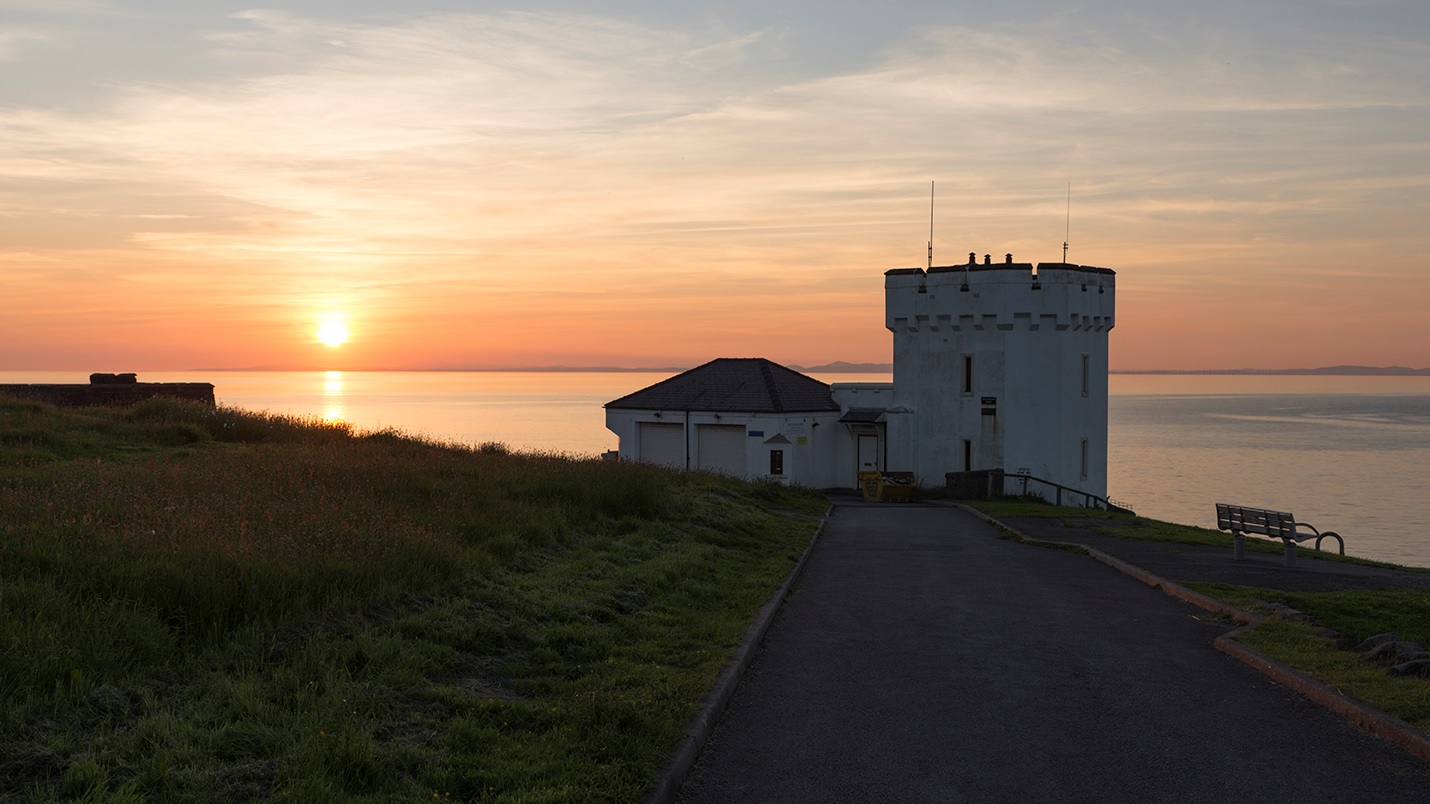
[1090,500]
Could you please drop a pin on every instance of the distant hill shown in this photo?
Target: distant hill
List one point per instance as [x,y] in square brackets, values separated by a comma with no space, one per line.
[841,367]
[1342,371]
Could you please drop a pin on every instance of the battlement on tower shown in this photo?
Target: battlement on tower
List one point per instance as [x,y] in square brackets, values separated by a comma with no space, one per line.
[1000,367]
[1007,296]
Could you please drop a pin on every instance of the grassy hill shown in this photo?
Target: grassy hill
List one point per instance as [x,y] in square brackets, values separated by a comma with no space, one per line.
[215,605]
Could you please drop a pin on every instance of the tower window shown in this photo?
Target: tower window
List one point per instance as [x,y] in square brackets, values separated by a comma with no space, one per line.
[968,374]
[1086,374]
[967,455]
[1084,459]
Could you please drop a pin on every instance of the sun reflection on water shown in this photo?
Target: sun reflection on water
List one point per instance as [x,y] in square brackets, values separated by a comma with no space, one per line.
[333,389]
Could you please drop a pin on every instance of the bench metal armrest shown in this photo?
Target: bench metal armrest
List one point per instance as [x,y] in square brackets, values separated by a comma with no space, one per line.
[1318,536]
[1330,534]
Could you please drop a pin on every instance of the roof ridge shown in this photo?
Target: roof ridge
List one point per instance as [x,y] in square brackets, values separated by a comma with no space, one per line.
[748,384]
[769,378]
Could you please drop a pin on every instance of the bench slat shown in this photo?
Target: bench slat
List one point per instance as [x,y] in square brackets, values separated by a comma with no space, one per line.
[1261,521]
[1241,520]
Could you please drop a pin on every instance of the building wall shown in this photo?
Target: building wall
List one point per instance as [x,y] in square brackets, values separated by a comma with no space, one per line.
[867,395]
[862,394]
[1024,406]
[809,457]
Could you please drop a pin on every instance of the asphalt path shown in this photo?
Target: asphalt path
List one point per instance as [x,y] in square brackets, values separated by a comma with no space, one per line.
[920,658]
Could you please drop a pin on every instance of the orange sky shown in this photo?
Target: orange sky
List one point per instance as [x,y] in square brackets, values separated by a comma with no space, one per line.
[484,187]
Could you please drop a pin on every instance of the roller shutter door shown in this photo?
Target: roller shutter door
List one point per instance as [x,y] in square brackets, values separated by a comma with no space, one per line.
[722,448]
[663,444]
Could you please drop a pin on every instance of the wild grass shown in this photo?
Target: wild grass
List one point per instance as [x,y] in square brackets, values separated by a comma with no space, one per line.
[216,605]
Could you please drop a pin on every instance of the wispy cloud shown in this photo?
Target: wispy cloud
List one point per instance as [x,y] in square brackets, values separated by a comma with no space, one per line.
[439,159]
[467,110]
[64,7]
[17,41]
[386,132]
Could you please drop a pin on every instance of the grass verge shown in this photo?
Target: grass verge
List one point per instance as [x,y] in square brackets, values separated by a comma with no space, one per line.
[1355,615]
[201,605]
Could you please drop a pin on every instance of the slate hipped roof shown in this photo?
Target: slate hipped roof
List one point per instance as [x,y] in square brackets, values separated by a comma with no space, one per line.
[734,385]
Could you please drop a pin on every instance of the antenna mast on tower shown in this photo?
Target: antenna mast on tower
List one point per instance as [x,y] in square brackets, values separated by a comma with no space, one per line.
[930,265]
[1068,225]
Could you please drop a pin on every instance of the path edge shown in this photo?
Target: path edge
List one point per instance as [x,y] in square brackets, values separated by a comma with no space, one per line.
[1392,729]
[713,705]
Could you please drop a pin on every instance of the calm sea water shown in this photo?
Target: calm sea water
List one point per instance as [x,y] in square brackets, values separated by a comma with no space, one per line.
[1350,454]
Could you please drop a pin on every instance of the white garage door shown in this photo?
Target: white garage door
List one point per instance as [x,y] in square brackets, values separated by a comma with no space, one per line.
[663,444]
[722,448]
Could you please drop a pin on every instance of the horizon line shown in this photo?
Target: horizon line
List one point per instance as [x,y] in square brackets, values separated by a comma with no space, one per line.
[836,366]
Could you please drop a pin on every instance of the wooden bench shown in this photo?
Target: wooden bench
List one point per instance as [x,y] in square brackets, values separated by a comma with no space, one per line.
[1282,525]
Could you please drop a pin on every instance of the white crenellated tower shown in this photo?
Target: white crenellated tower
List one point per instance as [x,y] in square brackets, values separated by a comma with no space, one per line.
[1000,366]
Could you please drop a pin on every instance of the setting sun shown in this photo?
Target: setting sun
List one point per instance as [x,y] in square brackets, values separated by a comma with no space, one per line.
[333,333]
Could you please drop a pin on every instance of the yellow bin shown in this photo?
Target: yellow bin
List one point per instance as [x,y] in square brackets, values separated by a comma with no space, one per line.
[897,486]
[873,485]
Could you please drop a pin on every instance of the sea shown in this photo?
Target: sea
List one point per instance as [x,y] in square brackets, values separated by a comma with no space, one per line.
[1348,454]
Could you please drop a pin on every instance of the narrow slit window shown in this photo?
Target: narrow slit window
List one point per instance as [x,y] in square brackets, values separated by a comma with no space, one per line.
[1086,374]
[777,462]
[968,374]
[1084,459]
[967,455]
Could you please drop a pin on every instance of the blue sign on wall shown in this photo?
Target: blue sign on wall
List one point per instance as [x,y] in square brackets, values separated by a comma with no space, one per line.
[757,434]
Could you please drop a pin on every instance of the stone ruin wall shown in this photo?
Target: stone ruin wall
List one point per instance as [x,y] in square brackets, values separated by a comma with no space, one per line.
[110,390]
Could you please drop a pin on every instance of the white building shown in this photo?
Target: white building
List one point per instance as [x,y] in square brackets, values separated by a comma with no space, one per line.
[741,416]
[1001,366]
[996,367]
